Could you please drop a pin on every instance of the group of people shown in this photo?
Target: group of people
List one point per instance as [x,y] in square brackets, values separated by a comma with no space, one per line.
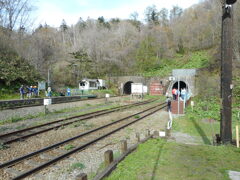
[32,91]
[182,94]
[176,93]
[28,91]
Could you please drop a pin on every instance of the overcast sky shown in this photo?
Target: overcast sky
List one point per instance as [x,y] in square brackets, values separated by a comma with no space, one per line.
[53,12]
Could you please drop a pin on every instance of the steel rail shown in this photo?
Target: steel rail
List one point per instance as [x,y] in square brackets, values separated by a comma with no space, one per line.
[19,159]
[93,114]
[46,164]
[33,127]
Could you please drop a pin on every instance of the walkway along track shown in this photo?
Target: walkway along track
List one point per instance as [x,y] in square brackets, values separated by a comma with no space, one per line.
[41,103]
[32,131]
[61,102]
[87,139]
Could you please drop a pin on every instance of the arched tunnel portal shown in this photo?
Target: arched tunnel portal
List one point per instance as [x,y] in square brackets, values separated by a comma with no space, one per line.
[182,85]
[127,89]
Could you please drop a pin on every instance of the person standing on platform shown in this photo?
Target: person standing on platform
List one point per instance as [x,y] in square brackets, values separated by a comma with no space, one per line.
[49,92]
[28,92]
[178,94]
[183,94]
[174,91]
[68,91]
[21,90]
[168,101]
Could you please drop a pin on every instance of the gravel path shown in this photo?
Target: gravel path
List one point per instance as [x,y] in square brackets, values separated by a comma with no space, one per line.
[184,138]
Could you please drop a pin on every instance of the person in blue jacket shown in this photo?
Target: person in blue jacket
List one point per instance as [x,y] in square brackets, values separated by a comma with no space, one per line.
[21,90]
[68,91]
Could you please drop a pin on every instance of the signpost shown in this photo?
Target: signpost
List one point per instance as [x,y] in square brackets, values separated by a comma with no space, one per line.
[107,96]
[46,102]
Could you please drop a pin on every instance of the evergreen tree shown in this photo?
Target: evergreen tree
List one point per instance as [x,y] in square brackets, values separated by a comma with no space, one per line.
[63,26]
[152,15]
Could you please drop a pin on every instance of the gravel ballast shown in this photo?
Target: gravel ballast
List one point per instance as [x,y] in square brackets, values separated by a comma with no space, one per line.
[23,112]
[92,157]
[20,148]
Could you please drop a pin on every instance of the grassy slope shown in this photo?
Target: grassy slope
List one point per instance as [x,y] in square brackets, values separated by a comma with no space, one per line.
[191,60]
[158,159]
[196,122]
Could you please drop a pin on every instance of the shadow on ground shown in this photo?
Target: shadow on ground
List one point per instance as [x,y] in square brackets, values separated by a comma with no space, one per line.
[201,132]
[160,148]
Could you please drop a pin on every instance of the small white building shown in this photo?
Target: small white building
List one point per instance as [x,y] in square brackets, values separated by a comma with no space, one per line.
[92,84]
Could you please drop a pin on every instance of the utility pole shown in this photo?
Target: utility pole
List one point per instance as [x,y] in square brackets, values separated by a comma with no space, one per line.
[226,72]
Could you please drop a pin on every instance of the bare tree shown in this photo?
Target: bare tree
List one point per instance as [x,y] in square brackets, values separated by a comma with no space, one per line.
[15,13]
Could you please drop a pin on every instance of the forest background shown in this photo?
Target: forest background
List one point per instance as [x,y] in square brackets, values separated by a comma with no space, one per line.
[97,48]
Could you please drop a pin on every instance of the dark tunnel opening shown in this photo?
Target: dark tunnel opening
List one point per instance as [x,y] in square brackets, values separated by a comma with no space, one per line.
[127,87]
[181,84]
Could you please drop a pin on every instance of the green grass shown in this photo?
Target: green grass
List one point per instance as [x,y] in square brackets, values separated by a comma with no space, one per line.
[196,121]
[137,116]
[157,159]
[197,59]
[18,118]
[161,98]
[102,92]
[9,96]
[3,146]
[77,165]
[69,147]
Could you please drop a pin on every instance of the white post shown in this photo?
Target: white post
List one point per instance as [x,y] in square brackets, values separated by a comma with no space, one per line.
[178,95]
[169,125]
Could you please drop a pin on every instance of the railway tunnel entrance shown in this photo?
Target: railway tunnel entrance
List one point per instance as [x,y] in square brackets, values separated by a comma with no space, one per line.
[127,89]
[182,85]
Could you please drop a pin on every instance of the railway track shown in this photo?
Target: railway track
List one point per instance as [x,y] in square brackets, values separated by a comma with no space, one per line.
[22,134]
[34,105]
[28,164]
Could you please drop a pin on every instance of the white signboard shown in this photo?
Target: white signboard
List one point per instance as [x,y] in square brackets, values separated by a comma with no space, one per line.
[47,102]
[137,88]
[107,95]
[145,89]
[162,134]
[42,85]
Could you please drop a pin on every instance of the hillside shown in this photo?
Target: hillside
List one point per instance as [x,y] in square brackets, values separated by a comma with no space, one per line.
[191,60]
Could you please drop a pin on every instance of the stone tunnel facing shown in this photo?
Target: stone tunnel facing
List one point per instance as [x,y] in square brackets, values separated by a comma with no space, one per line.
[127,87]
